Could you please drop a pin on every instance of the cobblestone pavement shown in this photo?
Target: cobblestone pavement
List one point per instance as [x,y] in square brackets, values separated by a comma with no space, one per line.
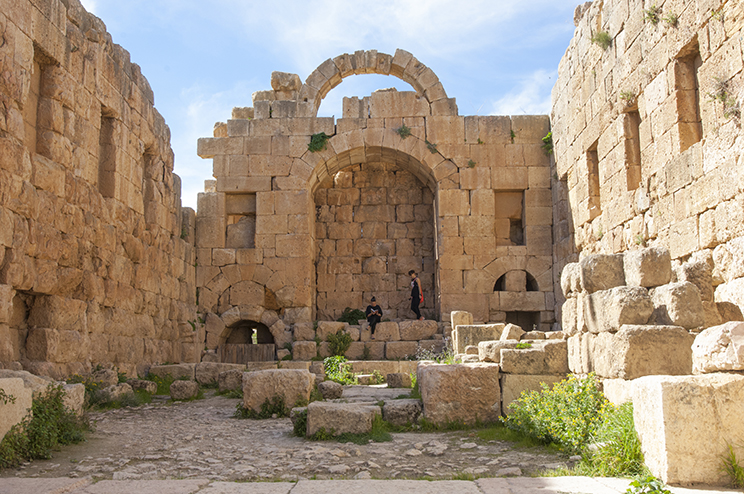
[200,439]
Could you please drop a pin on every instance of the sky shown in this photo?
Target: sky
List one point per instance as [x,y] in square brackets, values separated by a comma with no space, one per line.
[202,58]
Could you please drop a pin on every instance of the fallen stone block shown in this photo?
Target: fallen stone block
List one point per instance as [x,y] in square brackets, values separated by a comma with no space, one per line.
[176,371]
[512,386]
[511,332]
[460,392]
[637,351]
[304,350]
[416,330]
[571,279]
[720,348]
[281,353]
[685,424]
[533,335]
[37,384]
[490,351]
[471,349]
[330,390]
[291,385]
[678,304]
[398,380]
[648,267]
[607,310]
[731,292]
[184,390]
[463,336]
[402,412]
[700,274]
[602,272]
[106,377]
[143,384]
[116,391]
[461,318]
[544,357]
[209,372]
[74,398]
[12,413]
[230,380]
[340,418]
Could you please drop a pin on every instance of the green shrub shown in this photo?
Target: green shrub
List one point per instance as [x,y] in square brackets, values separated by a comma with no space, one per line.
[377,377]
[602,39]
[50,425]
[299,428]
[619,449]
[231,393]
[380,433]
[523,345]
[338,343]
[566,415]
[318,142]
[337,369]
[403,131]
[547,145]
[730,466]
[163,383]
[352,316]
[647,485]
[269,408]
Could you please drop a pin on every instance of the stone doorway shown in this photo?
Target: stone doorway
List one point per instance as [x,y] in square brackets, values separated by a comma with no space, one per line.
[374,222]
[247,341]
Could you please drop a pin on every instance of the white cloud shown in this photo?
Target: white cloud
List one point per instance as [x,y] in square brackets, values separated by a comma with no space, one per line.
[90,5]
[530,96]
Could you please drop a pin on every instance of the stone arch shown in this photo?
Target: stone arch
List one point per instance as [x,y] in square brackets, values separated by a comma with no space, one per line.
[503,282]
[402,65]
[252,314]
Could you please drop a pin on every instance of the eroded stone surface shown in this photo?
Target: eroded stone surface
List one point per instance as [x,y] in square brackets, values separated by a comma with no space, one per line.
[720,348]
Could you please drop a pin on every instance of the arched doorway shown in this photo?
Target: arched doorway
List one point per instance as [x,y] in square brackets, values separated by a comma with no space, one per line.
[247,341]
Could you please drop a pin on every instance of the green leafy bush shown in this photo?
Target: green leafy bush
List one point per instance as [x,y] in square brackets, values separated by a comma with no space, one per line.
[647,485]
[338,369]
[403,131]
[50,425]
[566,415]
[619,449]
[602,39]
[352,316]
[547,145]
[338,343]
[299,428]
[269,408]
[318,142]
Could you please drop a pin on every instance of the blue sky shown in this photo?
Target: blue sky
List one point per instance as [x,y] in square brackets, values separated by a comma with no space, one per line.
[202,58]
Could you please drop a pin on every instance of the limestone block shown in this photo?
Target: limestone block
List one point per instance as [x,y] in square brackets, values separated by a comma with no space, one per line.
[544,357]
[471,350]
[460,317]
[417,330]
[433,346]
[387,331]
[74,398]
[460,392]
[511,332]
[731,292]
[340,418]
[463,336]
[223,257]
[329,327]
[291,384]
[700,274]
[58,313]
[398,380]
[184,390]
[618,391]
[117,391]
[13,413]
[729,260]
[490,351]
[648,267]
[6,302]
[230,380]
[720,348]
[208,372]
[176,371]
[284,81]
[142,384]
[304,350]
[397,350]
[330,390]
[43,344]
[402,412]
[602,272]
[685,424]
[534,335]
[637,351]
[607,310]
[571,279]
[105,377]
[512,386]
[678,304]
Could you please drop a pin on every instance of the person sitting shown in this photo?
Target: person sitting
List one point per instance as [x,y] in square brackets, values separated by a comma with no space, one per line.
[374,315]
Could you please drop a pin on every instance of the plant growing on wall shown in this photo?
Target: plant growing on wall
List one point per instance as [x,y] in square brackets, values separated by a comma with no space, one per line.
[671,18]
[652,14]
[512,135]
[318,142]
[547,145]
[471,164]
[602,39]
[403,131]
[431,147]
[722,92]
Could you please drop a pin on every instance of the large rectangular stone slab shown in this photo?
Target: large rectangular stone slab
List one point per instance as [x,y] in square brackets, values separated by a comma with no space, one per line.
[607,310]
[460,392]
[340,418]
[544,357]
[176,371]
[463,336]
[292,385]
[12,413]
[685,424]
[209,372]
[417,330]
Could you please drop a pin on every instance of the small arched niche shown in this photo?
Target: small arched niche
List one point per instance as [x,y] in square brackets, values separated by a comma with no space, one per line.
[249,333]
[516,280]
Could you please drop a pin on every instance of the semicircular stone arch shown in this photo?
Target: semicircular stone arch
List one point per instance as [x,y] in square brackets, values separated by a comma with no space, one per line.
[402,65]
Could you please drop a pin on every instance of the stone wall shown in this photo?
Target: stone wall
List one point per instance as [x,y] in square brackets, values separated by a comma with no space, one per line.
[487,180]
[374,223]
[96,258]
[647,133]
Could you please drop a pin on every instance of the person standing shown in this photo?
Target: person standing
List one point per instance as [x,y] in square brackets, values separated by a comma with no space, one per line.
[417,294]
[374,315]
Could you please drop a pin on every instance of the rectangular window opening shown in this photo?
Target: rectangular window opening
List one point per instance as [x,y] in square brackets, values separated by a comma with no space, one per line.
[241,221]
[687,95]
[633,149]
[592,167]
[107,154]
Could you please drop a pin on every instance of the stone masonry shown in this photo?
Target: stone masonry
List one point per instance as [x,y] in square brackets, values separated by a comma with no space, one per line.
[96,257]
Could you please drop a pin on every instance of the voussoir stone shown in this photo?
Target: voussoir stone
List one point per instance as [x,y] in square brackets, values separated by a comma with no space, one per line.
[340,418]
[417,330]
[402,412]
[184,390]
[460,392]
[720,348]
[292,385]
[330,390]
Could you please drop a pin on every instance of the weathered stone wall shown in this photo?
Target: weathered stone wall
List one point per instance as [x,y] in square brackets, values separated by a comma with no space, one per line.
[374,224]
[648,139]
[96,262]
[488,176]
